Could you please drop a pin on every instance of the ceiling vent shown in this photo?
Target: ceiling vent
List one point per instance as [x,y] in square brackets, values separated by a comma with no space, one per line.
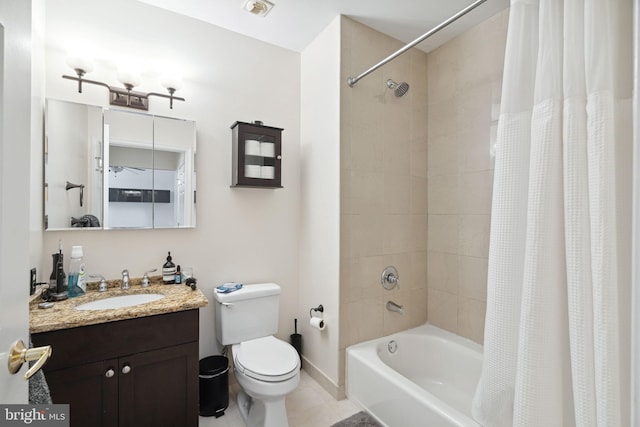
[258,7]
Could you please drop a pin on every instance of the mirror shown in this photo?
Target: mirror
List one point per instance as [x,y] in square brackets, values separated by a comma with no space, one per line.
[113,169]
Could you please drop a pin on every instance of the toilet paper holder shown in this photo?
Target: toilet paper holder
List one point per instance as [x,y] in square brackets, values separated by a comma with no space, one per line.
[319,308]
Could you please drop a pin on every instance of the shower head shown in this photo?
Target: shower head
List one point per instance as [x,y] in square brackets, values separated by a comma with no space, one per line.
[399,89]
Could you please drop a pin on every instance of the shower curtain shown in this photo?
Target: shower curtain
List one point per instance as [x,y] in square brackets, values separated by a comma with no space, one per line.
[557,324]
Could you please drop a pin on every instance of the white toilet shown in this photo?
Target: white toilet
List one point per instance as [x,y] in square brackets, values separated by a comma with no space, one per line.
[266,368]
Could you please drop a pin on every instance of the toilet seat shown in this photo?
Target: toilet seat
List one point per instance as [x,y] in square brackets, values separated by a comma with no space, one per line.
[266,359]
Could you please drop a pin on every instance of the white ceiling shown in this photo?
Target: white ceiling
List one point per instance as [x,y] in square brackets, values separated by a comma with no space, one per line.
[293,24]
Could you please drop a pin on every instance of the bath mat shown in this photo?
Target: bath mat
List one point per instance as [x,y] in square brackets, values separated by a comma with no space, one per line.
[361,419]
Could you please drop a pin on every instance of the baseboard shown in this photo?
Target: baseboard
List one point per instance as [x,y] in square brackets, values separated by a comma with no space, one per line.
[325,382]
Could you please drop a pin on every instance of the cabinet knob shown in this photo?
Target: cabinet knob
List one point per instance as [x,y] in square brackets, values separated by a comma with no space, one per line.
[126,369]
[110,373]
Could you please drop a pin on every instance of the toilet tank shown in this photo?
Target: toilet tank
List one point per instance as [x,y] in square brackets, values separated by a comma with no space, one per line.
[248,313]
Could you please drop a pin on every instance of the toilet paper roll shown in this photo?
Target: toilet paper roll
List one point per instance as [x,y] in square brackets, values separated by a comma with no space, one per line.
[252,171]
[267,149]
[252,147]
[317,323]
[267,172]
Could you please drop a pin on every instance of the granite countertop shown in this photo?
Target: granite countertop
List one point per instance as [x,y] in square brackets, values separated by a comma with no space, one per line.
[63,314]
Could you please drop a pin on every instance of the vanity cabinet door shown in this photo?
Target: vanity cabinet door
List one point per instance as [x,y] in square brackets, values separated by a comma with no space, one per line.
[160,388]
[91,390]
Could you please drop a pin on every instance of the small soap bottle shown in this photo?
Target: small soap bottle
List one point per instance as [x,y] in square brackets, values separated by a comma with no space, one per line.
[178,275]
[169,271]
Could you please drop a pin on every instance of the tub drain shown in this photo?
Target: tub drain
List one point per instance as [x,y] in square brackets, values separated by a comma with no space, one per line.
[392,346]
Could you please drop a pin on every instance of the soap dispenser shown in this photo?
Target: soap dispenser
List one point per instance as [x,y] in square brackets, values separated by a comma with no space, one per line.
[169,271]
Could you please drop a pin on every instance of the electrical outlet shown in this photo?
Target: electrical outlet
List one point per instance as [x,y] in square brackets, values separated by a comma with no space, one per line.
[32,281]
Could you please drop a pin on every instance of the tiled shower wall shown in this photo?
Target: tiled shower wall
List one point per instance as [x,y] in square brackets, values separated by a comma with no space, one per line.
[464,86]
[383,178]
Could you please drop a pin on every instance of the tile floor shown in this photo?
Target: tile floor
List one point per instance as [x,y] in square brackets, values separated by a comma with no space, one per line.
[308,406]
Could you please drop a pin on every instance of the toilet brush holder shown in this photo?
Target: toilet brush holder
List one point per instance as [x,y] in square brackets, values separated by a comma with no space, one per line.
[296,340]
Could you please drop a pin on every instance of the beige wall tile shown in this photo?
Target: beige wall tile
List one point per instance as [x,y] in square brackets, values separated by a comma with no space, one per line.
[418,307]
[444,155]
[473,236]
[419,157]
[419,233]
[397,232]
[419,270]
[443,310]
[365,274]
[371,321]
[475,149]
[366,191]
[443,233]
[396,156]
[474,192]
[419,195]
[367,149]
[444,194]
[471,316]
[443,273]
[363,241]
[397,194]
[464,87]
[472,277]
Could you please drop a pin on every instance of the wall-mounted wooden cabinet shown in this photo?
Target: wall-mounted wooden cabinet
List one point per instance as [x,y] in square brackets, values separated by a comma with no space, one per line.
[257,155]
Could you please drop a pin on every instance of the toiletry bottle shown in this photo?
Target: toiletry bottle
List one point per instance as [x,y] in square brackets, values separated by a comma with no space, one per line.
[169,271]
[61,279]
[178,275]
[53,281]
[76,285]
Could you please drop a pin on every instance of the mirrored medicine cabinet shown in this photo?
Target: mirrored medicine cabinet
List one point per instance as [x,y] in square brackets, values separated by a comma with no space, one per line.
[112,169]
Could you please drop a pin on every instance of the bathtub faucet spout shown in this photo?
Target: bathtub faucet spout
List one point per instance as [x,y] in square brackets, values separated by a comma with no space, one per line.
[392,306]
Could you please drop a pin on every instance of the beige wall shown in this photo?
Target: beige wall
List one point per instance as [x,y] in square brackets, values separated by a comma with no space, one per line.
[383,187]
[464,86]
[242,234]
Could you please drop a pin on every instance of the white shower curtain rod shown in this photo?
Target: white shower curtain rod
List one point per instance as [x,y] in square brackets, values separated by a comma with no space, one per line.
[351,81]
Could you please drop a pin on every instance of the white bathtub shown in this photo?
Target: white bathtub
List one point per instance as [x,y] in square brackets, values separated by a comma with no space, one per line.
[429,380]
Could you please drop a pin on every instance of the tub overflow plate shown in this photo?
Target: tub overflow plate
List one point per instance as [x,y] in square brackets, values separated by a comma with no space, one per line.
[392,346]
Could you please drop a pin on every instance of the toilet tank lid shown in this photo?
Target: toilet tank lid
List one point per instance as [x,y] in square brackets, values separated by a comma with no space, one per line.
[258,290]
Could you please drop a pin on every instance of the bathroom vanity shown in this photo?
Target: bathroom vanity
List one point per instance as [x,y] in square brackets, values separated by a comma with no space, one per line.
[140,368]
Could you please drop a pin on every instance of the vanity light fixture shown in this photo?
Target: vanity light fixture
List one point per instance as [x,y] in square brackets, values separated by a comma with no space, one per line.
[258,7]
[126,97]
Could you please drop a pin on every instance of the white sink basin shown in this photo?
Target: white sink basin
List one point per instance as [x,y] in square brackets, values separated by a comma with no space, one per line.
[120,302]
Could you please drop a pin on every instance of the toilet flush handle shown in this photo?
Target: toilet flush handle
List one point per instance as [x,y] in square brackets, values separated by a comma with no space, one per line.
[227,304]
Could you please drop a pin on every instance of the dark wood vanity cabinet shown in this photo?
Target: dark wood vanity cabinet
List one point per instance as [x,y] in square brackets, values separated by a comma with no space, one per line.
[257,155]
[139,372]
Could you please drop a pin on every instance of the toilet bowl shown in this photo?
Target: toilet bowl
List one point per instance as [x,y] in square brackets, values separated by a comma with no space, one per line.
[268,370]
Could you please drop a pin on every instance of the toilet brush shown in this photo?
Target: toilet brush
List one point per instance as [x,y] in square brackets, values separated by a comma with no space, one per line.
[296,340]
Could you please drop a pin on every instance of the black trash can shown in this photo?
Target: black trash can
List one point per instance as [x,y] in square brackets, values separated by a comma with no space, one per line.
[214,386]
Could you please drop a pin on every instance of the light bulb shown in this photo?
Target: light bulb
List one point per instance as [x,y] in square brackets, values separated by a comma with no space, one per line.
[80,63]
[171,82]
[129,78]
[79,57]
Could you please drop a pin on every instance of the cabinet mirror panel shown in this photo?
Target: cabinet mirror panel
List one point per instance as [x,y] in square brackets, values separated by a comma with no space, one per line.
[115,169]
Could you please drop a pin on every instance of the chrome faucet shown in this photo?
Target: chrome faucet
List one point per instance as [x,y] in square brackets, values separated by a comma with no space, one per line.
[145,278]
[103,282]
[392,306]
[125,280]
